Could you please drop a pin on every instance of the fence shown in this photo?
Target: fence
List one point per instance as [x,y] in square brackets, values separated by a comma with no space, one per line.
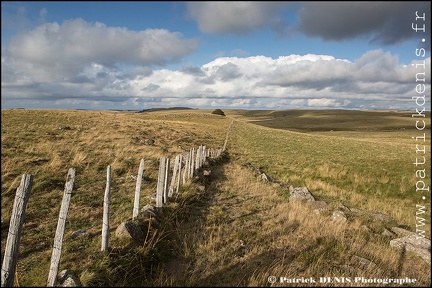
[185,167]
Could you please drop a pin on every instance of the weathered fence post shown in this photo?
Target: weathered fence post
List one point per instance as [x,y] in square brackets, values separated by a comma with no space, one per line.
[138,190]
[191,163]
[105,222]
[55,258]
[179,172]
[185,172]
[160,184]
[15,226]
[173,178]
[166,180]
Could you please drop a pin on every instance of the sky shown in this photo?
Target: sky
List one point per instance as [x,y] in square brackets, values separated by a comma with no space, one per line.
[233,55]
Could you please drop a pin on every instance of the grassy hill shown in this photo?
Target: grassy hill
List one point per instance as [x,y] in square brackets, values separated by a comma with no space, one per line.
[239,231]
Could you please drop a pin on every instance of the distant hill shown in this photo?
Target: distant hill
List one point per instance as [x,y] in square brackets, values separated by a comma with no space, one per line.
[162,109]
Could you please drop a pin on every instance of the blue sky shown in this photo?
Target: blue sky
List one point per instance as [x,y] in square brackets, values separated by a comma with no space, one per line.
[247,55]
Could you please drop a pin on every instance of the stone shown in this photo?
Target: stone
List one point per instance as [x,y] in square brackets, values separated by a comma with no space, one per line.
[339,217]
[265,178]
[130,230]
[207,172]
[67,278]
[376,215]
[300,193]
[148,211]
[318,207]
[420,246]
[148,142]
[387,233]
[401,232]
[79,233]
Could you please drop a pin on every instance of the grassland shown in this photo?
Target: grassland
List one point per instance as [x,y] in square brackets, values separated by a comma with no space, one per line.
[355,158]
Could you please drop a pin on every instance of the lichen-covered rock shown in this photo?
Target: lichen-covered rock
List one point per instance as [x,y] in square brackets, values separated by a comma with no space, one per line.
[300,193]
[419,245]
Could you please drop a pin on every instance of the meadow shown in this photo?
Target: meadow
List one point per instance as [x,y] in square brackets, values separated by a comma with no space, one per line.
[240,230]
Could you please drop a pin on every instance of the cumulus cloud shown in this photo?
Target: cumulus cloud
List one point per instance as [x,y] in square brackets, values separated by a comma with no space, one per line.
[375,80]
[236,17]
[381,22]
[59,51]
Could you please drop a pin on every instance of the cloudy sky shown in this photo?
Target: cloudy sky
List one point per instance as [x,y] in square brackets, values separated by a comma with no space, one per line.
[247,55]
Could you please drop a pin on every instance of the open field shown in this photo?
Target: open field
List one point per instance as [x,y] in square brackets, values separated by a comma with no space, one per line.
[359,159]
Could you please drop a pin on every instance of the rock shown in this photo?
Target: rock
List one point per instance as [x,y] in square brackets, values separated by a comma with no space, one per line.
[300,193]
[64,127]
[265,178]
[418,245]
[148,211]
[130,230]
[318,207]
[339,217]
[148,142]
[79,233]
[387,233]
[401,232]
[207,172]
[66,278]
[376,215]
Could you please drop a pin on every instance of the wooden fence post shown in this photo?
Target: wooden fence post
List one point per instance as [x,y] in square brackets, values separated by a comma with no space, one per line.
[191,162]
[138,190]
[160,184]
[179,172]
[15,227]
[185,172]
[55,258]
[173,178]
[105,222]
[166,180]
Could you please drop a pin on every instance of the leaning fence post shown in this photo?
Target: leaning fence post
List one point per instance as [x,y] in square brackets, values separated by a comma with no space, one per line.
[15,227]
[138,190]
[160,184]
[55,258]
[105,222]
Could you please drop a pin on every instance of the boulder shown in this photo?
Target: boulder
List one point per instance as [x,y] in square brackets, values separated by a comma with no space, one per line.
[300,193]
[67,278]
[418,245]
[130,230]
[339,217]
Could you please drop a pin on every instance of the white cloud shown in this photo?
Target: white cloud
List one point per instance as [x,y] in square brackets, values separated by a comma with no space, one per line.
[56,52]
[374,80]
